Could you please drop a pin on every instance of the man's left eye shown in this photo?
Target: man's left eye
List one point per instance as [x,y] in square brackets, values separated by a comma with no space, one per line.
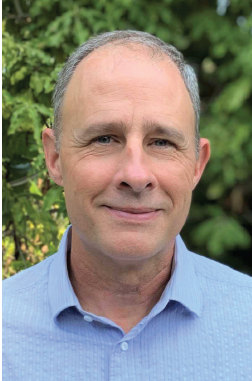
[163,143]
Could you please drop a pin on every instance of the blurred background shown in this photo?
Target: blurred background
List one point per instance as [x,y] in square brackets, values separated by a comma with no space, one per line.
[215,38]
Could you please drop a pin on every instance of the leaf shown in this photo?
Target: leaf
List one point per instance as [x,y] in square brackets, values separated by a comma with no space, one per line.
[34,189]
[81,33]
[19,75]
[17,212]
[52,197]
[234,95]
[215,191]
[220,234]
[37,82]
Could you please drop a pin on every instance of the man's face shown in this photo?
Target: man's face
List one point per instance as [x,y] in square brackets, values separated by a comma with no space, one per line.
[128,143]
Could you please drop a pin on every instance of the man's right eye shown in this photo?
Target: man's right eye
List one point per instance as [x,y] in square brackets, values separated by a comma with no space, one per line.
[106,139]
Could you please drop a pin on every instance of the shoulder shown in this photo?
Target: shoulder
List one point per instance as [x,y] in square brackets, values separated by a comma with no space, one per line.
[224,288]
[27,279]
[219,273]
[25,297]
[226,298]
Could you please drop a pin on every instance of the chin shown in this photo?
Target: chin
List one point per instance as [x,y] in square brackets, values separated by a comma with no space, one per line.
[131,249]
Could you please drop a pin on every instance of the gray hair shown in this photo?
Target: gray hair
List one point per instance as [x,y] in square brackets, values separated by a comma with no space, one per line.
[156,45]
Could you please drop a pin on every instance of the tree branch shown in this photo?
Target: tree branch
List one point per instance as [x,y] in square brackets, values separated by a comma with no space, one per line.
[23,180]
[19,9]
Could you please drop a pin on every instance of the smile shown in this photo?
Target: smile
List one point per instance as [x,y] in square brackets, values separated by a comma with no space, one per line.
[134,214]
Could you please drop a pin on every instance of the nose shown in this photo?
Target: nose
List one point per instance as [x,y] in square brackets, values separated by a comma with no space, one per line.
[134,170]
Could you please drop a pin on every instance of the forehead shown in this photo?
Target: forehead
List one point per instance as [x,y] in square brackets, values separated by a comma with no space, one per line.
[121,78]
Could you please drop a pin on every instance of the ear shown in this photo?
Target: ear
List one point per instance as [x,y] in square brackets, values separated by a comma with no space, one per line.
[52,156]
[204,155]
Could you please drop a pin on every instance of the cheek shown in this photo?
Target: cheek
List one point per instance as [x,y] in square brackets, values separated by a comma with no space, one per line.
[87,178]
[177,180]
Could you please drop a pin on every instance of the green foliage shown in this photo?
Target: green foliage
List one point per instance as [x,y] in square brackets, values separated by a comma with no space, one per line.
[39,35]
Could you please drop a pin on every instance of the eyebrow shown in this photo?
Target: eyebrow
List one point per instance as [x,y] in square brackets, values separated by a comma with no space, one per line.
[168,131]
[120,127]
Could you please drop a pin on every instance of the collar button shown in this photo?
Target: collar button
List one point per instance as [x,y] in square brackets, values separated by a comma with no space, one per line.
[124,346]
[88,318]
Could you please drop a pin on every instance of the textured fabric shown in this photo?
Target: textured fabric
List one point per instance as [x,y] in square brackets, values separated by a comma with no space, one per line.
[201,328]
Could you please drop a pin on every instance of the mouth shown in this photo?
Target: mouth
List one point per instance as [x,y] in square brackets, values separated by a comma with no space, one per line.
[133,210]
[137,214]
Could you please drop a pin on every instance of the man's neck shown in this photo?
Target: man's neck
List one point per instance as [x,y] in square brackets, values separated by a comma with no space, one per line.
[123,293]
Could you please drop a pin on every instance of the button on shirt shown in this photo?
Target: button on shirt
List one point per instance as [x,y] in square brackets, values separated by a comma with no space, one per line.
[200,329]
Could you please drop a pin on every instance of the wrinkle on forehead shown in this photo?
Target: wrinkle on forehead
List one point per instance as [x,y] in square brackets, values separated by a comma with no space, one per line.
[123,51]
[115,57]
[111,58]
[109,71]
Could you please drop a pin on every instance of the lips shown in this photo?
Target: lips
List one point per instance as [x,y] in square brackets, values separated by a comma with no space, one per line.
[133,210]
[133,215]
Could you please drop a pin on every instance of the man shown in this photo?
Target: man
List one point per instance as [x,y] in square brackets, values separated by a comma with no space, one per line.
[123,299]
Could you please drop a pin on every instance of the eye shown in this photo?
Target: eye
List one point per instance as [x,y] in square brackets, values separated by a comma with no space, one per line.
[105,139]
[163,143]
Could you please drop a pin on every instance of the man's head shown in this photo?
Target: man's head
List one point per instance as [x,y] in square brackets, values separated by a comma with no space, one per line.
[127,142]
[157,49]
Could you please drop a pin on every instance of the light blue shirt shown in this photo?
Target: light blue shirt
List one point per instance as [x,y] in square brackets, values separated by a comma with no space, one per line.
[200,329]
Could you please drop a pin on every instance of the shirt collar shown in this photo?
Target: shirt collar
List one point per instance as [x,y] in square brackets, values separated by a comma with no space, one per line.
[183,286]
[61,293]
